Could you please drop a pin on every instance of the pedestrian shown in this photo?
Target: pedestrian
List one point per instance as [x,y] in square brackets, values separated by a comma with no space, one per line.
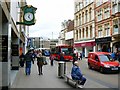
[51,60]
[74,58]
[22,56]
[40,62]
[80,56]
[113,55]
[77,75]
[29,61]
[33,56]
[62,56]
[119,56]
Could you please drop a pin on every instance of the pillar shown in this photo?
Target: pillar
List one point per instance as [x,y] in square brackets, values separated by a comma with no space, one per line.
[5,50]
[15,53]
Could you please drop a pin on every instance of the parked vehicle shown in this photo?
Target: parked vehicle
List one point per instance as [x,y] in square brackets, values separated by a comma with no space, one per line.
[103,62]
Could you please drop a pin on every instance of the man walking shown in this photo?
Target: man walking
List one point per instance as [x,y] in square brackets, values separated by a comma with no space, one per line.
[28,60]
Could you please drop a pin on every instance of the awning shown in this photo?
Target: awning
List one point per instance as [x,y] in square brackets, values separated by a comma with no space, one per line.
[85,44]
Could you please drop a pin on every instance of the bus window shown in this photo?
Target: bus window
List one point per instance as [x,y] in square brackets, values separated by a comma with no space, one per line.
[53,51]
[67,51]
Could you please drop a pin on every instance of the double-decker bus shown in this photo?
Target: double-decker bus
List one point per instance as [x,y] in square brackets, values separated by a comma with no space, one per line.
[68,52]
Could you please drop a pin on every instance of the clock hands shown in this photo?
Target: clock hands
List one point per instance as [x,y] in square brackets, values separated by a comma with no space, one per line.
[29,16]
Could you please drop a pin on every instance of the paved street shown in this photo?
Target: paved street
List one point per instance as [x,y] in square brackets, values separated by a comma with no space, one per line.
[50,79]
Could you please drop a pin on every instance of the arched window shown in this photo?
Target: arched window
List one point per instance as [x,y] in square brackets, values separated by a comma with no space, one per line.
[90,14]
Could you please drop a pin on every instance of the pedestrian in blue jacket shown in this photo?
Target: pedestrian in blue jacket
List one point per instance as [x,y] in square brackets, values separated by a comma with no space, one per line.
[77,75]
[28,60]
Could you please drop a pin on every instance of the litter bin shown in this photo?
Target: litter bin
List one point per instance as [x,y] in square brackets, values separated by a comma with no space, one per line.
[61,68]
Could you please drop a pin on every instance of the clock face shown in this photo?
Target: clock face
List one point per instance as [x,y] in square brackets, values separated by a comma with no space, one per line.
[28,16]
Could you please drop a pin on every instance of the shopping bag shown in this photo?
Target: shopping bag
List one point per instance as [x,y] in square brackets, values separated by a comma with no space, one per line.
[44,61]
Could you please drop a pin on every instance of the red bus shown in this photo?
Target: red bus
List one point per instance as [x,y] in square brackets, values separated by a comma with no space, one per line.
[68,52]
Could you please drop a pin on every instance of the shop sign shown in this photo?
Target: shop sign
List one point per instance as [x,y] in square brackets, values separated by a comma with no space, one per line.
[3,48]
[85,44]
[103,40]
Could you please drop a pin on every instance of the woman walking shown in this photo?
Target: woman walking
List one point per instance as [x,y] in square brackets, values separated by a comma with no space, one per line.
[40,62]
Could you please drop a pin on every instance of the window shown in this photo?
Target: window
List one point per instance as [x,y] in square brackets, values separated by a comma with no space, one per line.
[119,6]
[76,20]
[105,58]
[106,12]
[99,15]
[115,26]
[86,16]
[90,31]
[80,5]
[115,9]
[107,30]
[99,31]
[86,32]
[98,2]
[90,14]
[76,34]
[96,58]
[80,33]
[82,17]
[83,33]
[76,7]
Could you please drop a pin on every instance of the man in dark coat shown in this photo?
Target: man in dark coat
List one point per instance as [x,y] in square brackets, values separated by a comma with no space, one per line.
[28,60]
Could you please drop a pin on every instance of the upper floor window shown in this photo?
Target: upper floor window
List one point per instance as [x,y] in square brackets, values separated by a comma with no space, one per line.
[83,33]
[80,33]
[114,9]
[98,2]
[90,14]
[99,15]
[90,31]
[106,12]
[107,29]
[86,15]
[80,5]
[76,7]
[86,32]
[82,17]
[77,20]
[100,31]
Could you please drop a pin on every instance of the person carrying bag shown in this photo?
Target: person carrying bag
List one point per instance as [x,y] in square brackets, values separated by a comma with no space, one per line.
[40,63]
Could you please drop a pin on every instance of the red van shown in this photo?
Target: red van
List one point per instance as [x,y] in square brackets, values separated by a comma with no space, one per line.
[103,62]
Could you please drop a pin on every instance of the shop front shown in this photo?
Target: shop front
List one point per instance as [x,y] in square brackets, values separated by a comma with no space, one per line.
[116,46]
[85,47]
[103,44]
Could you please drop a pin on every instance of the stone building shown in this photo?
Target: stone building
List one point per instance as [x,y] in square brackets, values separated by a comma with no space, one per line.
[12,39]
[84,26]
[103,23]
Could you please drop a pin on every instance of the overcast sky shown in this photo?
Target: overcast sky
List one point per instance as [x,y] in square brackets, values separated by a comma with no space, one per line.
[49,15]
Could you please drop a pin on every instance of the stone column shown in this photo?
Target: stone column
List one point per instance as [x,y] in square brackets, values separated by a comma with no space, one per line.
[15,53]
[5,50]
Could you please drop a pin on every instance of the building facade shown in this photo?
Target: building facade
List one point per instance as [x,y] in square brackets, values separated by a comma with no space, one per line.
[84,27]
[39,42]
[66,34]
[53,43]
[115,4]
[103,23]
[12,39]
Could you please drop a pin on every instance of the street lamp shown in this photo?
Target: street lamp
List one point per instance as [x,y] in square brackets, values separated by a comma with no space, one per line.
[40,41]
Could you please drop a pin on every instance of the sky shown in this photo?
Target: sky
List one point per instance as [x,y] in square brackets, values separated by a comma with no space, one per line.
[49,16]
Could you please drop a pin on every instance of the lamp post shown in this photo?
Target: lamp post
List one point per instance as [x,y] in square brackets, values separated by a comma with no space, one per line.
[40,41]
